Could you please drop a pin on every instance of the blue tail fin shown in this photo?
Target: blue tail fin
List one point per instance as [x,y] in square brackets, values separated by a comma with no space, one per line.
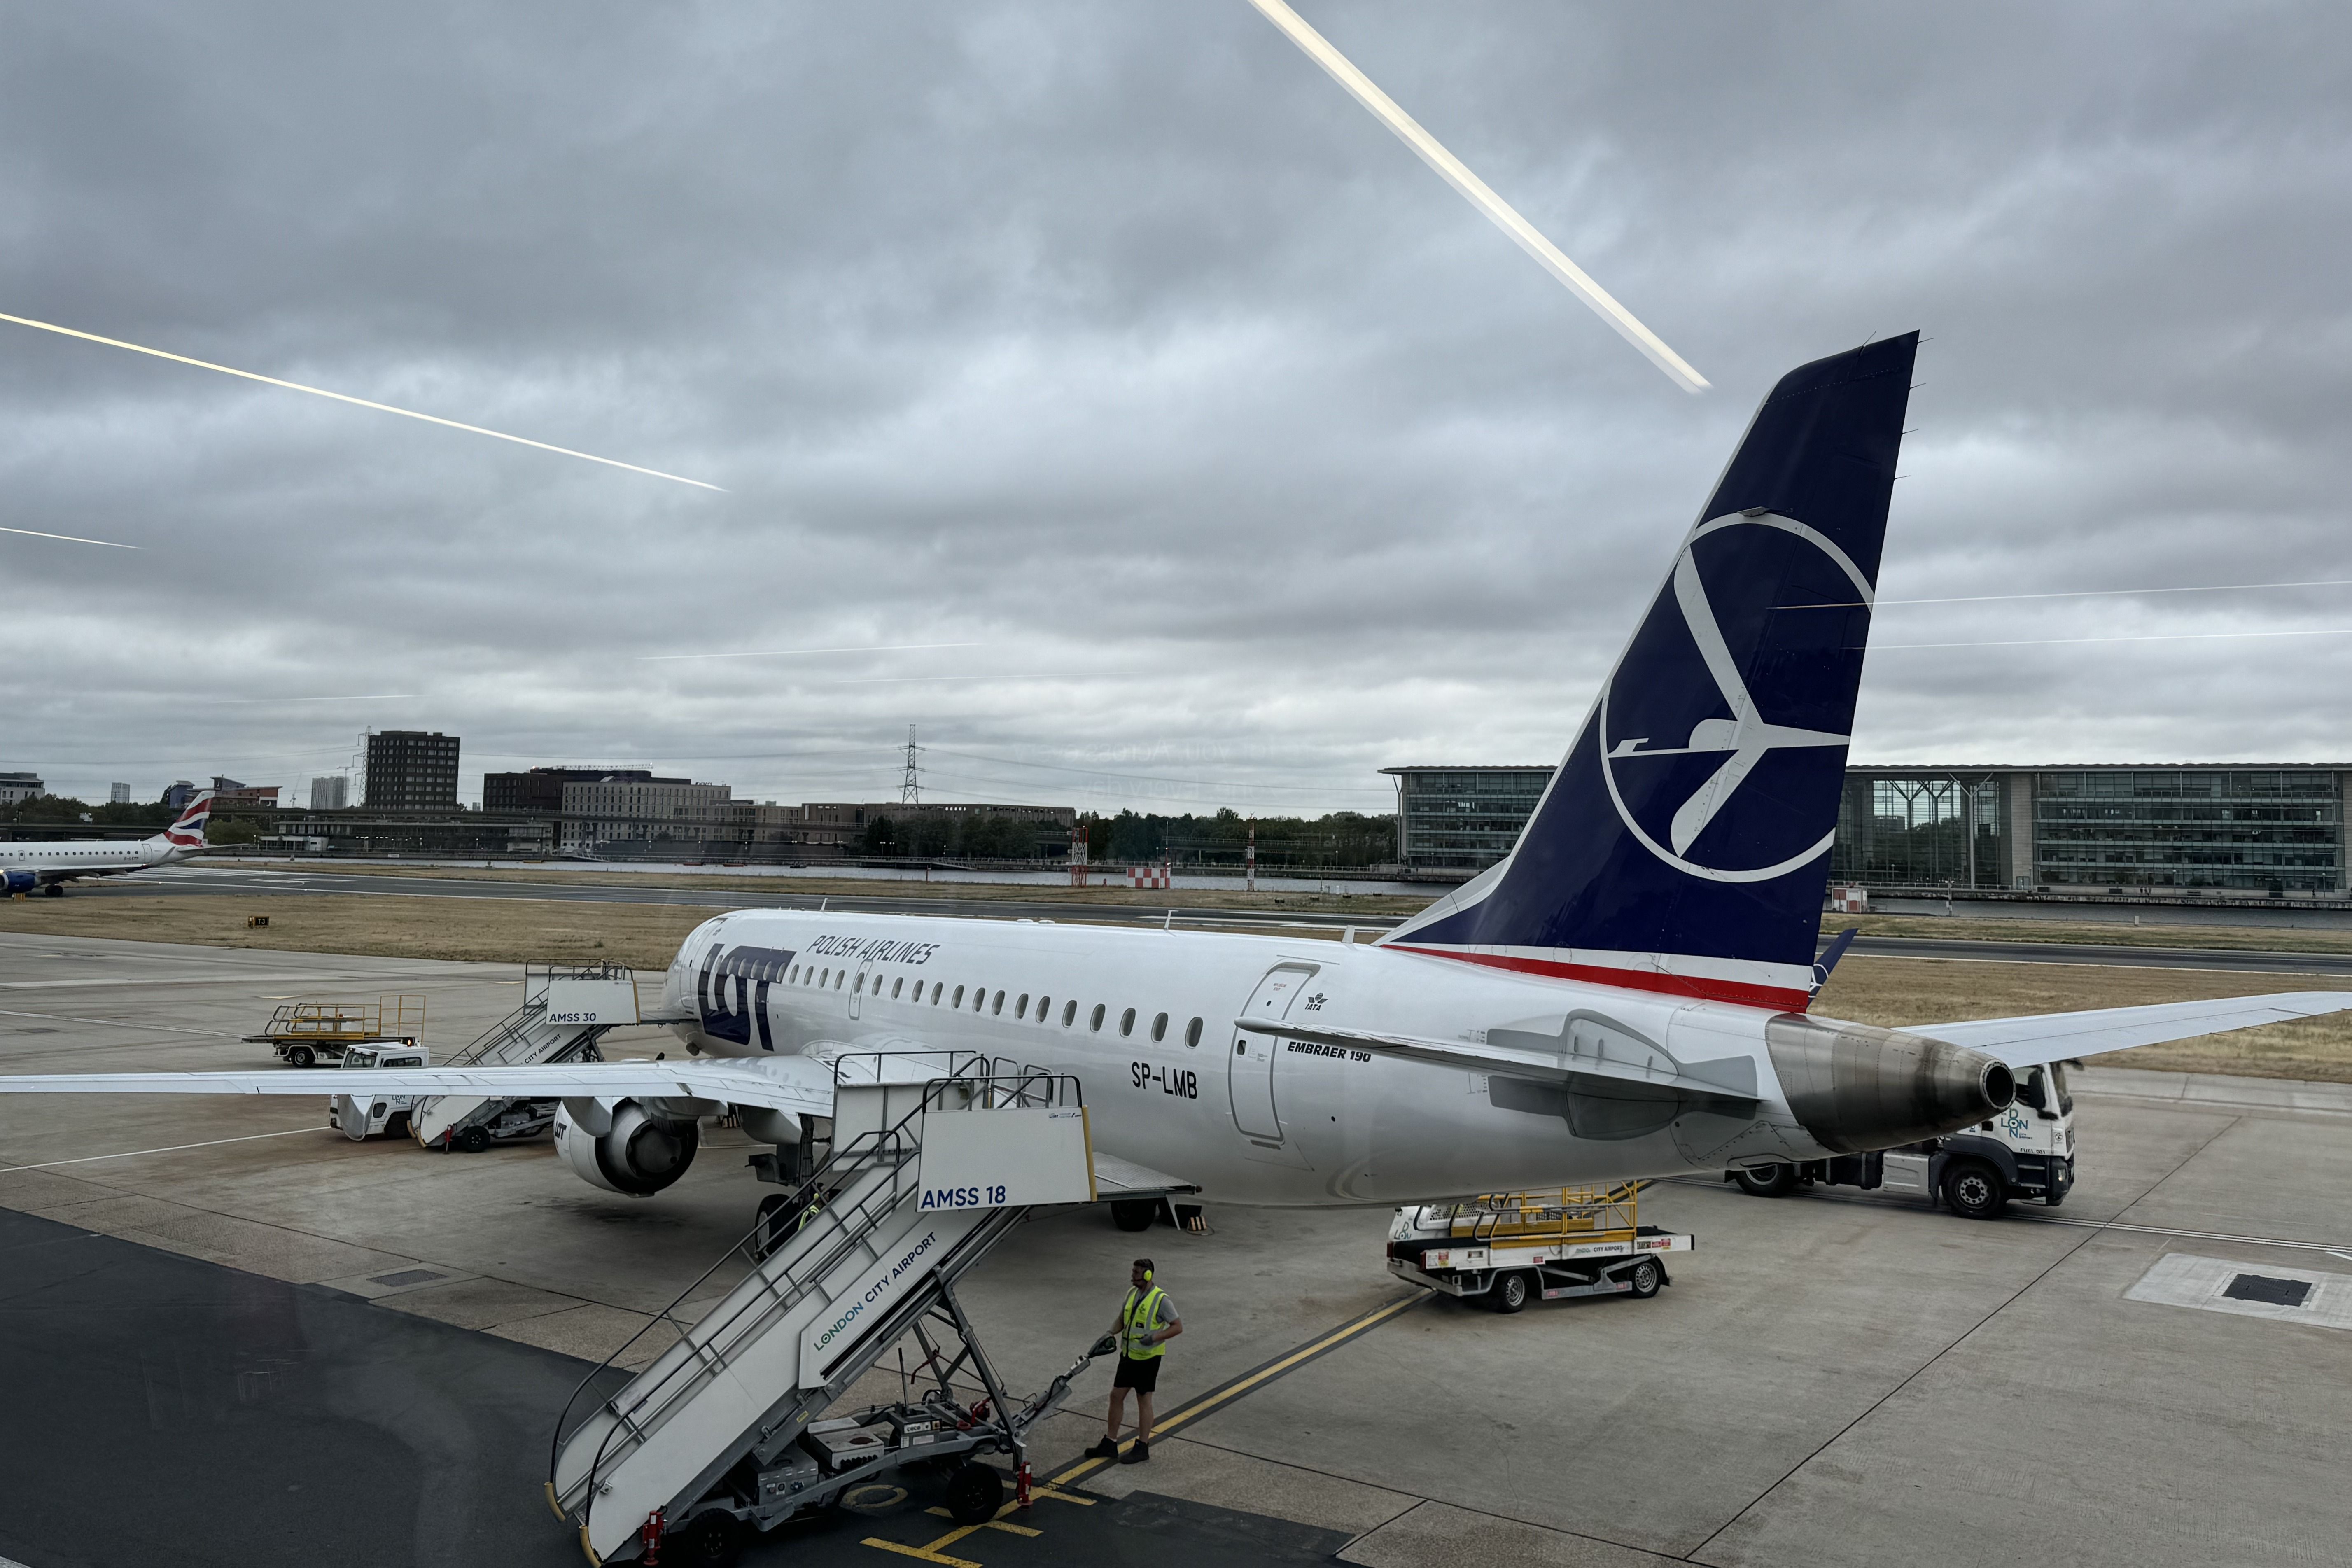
[1684,844]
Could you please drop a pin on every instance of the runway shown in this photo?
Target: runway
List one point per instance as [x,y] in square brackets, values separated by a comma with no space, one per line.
[195,879]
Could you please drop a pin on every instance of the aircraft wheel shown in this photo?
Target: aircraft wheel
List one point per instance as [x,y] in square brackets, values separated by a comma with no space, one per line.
[55,890]
[1975,1190]
[1644,1276]
[772,1232]
[1135,1213]
[974,1493]
[1512,1291]
[301,1057]
[1767,1180]
[473,1140]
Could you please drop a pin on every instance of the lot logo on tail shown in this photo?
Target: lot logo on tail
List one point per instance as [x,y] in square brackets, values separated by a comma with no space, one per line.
[1672,773]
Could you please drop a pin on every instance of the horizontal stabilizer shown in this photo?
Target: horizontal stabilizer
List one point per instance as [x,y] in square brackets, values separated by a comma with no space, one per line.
[779,1083]
[2056,1036]
[1731,1079]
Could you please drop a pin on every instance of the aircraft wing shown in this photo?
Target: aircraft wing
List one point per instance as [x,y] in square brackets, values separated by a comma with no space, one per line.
[1734,1079]
[2057,1037]
[777,1083]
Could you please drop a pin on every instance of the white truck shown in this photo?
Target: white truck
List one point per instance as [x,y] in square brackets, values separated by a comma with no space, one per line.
[359,1117]
[2026,1152]
[1507,1249]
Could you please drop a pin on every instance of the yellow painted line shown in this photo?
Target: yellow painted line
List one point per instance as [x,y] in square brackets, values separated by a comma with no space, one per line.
[924,1552]
[1242,1385]
[1046,1488]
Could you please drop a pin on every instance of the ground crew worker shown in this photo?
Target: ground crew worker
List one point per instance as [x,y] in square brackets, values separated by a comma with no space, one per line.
[1147,1320]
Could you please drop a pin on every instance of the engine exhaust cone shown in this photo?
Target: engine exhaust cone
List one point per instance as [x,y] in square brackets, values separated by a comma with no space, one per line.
[1856,1088]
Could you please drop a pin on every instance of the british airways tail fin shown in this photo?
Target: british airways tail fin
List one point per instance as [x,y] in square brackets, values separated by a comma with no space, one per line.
[1684,844]
[186,834]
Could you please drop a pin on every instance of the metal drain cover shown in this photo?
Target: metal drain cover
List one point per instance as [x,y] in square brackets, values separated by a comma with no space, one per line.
[2265,1288]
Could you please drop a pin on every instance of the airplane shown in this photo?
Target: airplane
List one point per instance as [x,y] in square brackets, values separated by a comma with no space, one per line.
[1626,994]
[49,867]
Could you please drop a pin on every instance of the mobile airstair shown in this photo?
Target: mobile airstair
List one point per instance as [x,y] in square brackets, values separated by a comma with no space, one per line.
[566,1010]
[721,1434]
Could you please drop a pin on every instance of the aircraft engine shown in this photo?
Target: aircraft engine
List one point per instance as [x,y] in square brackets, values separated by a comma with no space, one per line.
[638,1154]
[1857,1088]
[13,882]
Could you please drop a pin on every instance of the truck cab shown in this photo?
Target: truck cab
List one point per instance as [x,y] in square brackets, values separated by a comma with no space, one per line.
[357,1117]
[2025,1151]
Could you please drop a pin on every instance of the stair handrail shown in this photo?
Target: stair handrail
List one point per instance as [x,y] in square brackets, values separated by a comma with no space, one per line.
[866,1152]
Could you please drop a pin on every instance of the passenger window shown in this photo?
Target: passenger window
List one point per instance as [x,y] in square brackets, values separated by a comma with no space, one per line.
[1192,1033]
[1045,1006]
[1021,1008]
[1069,1014]
[824,979]
[959,997]
[999,1007]
[839,978]
[1096,1022]
[937,986]
[1126,1022]
[898,985]
[1159,1028]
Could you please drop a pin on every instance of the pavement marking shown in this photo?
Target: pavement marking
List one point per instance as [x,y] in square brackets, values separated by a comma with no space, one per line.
[117,1024]
[2219,1285]
[1257,1376]
[2329,1247]
[172,1149]
[936,1551]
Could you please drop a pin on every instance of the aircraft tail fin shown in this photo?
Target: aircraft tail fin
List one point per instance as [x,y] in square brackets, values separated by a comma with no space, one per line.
[186,834]
[1683,846]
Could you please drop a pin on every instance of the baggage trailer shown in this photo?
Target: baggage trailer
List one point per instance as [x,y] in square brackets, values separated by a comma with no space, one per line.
[2025,1151]
[304,1034]
[1510,1248]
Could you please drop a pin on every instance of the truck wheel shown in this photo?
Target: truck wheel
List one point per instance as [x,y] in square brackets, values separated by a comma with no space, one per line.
[1975,1190]
[1767,1180]
[1133,1213]
[1512,1291]
[714,1537]
[300,1056]
[473,1140]
[1644,1278]
[974,1493]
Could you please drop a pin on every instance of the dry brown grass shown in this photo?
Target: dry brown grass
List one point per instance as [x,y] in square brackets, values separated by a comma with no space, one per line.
[2105,934]
[1890,991]
[1897,990]
[1337,902]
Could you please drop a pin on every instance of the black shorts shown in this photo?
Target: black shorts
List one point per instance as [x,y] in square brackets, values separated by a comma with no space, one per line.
[1143,1376]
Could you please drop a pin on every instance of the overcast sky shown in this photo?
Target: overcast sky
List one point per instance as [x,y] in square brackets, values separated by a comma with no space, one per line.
[1115,343]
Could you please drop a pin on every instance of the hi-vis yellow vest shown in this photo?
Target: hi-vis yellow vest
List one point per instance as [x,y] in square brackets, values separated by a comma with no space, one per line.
[1141,1315]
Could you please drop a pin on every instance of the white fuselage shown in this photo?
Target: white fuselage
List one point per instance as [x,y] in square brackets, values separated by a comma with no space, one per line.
[62,859]
[1252,1117]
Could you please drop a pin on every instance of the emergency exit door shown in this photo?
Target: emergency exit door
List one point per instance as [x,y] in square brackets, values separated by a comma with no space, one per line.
[1250,1066]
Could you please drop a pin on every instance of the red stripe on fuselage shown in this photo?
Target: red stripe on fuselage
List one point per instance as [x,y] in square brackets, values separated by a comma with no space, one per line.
[1776,998]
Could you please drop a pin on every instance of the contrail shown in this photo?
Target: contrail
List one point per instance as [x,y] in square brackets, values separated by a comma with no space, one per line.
[797,652]
[2152,636]
[1452,170]
[356,402]
[2081,594]
[70,538]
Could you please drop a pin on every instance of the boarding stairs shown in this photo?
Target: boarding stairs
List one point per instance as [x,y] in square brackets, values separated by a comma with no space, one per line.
[566,1010]
[720,1433]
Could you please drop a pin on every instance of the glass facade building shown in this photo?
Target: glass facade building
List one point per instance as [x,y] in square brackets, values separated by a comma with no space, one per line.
[1463,819]
[2243,829]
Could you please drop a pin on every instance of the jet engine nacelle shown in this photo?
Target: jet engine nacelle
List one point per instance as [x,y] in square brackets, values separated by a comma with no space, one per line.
[638,1154]
[14,882]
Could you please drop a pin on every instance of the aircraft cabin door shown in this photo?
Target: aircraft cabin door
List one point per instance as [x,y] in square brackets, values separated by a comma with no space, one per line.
[857,987]
[1250,1067]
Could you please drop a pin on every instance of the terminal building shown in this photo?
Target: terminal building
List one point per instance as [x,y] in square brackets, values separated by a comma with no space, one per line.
[2274,830]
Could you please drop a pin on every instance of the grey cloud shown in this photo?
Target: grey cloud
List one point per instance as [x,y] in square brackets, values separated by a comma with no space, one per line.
[1118,340]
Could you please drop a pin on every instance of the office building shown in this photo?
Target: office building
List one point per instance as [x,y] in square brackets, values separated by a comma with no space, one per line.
[410,770]
[18,787]
[330,793]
